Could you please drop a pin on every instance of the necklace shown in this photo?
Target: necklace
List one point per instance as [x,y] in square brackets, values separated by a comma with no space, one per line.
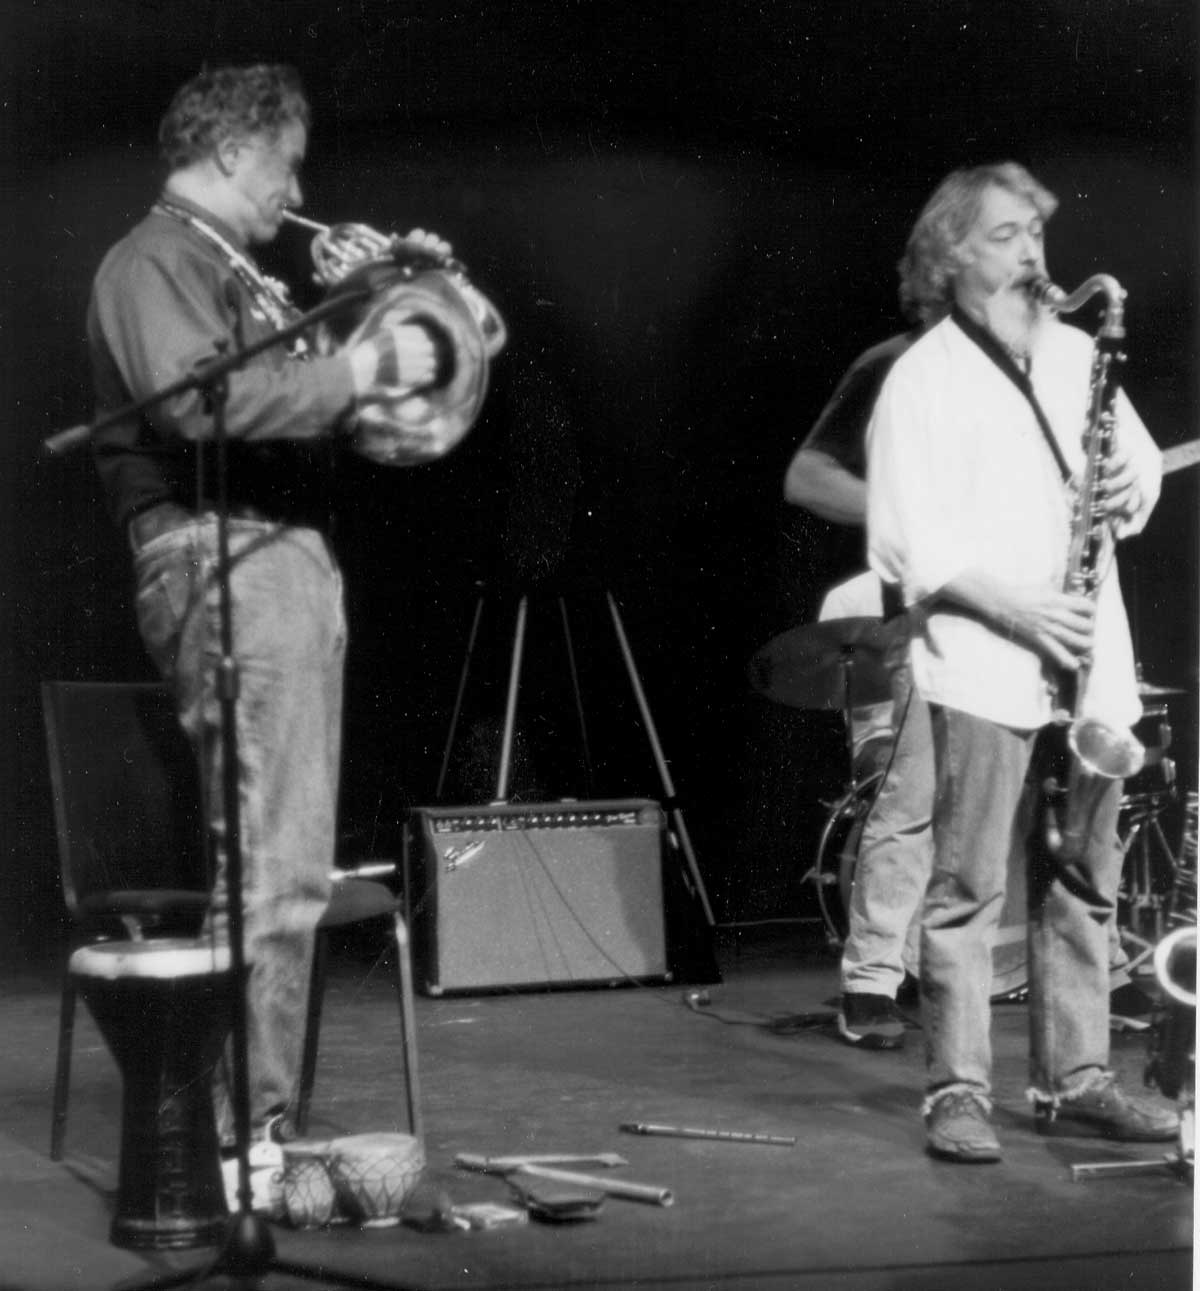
[270,301]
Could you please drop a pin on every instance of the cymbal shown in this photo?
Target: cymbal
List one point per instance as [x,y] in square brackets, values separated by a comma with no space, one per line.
[1148,690]
[806,666]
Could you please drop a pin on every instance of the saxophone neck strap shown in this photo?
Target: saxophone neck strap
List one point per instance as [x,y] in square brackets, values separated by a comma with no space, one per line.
[1005,362]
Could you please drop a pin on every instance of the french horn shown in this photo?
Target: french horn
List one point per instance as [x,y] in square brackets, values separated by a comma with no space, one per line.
[408,284]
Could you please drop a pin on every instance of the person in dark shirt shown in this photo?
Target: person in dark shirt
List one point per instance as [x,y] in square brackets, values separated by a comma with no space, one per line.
[827,476]
[182,283]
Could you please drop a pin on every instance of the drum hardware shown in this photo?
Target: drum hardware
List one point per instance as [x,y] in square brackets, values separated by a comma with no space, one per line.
[837,854]
[832,664]
[1149,879]
[1148,690]
[1153,879]
[1185,876]
[1171,1066]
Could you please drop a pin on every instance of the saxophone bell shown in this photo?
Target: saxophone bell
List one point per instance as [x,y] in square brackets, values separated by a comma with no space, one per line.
[1099,754]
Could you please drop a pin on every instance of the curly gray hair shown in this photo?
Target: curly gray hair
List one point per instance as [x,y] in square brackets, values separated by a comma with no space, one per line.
[230,102]
[930,262]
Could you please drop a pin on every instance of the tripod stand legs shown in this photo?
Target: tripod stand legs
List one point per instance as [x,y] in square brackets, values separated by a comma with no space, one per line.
[678,827]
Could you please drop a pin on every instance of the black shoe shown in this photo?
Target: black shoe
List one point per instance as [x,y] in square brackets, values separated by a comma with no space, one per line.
[871,1022]
[1104,1110]
[909,994]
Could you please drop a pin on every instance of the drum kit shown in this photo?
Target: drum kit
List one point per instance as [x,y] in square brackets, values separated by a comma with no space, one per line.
[1158,881]
[839,665]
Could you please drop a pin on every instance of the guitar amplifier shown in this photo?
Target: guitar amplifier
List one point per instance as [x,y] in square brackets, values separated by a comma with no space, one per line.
[528,896]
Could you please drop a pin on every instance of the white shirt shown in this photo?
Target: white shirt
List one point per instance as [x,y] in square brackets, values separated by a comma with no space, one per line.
[959,477]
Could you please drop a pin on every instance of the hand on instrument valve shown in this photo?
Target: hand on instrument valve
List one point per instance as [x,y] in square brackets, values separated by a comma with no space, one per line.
[392,363]
[1059,625]
[426,241]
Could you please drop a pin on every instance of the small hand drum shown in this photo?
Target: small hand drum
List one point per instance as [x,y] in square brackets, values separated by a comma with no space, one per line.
[374,1174]
[164,1008]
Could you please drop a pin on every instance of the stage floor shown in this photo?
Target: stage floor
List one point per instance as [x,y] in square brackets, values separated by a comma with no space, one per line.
[854,1205]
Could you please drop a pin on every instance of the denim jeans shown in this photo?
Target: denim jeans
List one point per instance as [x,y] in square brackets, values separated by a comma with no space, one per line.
[289,637]
[981,773]
[896,850]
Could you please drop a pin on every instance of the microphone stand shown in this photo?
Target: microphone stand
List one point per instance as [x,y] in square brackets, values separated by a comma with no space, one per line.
[248,1251]
[206,374]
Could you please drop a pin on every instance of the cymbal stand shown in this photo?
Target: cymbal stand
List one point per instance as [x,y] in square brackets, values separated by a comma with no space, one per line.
[1151,874]
[846,664]
[851,804]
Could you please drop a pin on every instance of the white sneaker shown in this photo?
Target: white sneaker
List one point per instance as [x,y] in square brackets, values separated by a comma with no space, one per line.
[265,1159]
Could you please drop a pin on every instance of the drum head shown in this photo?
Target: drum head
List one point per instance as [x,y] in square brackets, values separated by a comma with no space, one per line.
[837,855]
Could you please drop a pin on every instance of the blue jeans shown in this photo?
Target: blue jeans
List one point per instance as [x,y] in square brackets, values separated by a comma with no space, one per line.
[981,774]
[896,850]
[289,637]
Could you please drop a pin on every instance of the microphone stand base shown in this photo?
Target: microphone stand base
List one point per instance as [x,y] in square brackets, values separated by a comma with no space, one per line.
[249,1248]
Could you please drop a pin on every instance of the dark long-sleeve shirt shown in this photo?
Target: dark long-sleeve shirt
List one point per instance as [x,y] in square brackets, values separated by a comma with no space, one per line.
[160,304]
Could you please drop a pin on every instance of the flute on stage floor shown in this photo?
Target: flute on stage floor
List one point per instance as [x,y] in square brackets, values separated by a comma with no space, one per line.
[687,1132]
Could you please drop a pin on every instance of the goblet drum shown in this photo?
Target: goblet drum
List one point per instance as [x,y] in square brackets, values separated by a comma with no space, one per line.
[164,1008]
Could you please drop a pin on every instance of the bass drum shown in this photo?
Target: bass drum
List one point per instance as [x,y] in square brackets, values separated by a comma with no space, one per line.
[837,858]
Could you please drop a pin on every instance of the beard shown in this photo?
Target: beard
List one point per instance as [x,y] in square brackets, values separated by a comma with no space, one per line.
[1014,318]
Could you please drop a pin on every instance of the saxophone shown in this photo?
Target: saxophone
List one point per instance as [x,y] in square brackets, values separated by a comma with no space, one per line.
[1096,753]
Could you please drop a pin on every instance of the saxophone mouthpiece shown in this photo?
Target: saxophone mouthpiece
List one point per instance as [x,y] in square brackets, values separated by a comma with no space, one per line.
[1043,292]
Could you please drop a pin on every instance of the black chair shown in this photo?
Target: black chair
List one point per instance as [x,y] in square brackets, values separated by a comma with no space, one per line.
[133,862]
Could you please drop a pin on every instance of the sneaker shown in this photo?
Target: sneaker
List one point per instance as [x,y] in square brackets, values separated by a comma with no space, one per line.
[871,1022]
[958,1128]
[265,1159]
[1103,1109]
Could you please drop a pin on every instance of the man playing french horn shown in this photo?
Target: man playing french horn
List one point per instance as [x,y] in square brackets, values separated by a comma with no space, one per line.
[975,453]
[173,292]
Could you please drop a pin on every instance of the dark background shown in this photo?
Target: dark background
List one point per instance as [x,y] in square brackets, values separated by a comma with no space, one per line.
[689,216]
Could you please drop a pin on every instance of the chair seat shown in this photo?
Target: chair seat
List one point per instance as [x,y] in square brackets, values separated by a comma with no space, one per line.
[355,899]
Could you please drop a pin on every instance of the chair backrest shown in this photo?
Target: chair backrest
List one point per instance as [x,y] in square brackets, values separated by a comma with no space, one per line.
[126,790]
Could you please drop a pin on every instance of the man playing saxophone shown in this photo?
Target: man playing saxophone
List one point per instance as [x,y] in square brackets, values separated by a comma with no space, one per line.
[974,449]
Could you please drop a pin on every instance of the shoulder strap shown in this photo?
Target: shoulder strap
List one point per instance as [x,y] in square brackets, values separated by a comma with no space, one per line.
[1003,360]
